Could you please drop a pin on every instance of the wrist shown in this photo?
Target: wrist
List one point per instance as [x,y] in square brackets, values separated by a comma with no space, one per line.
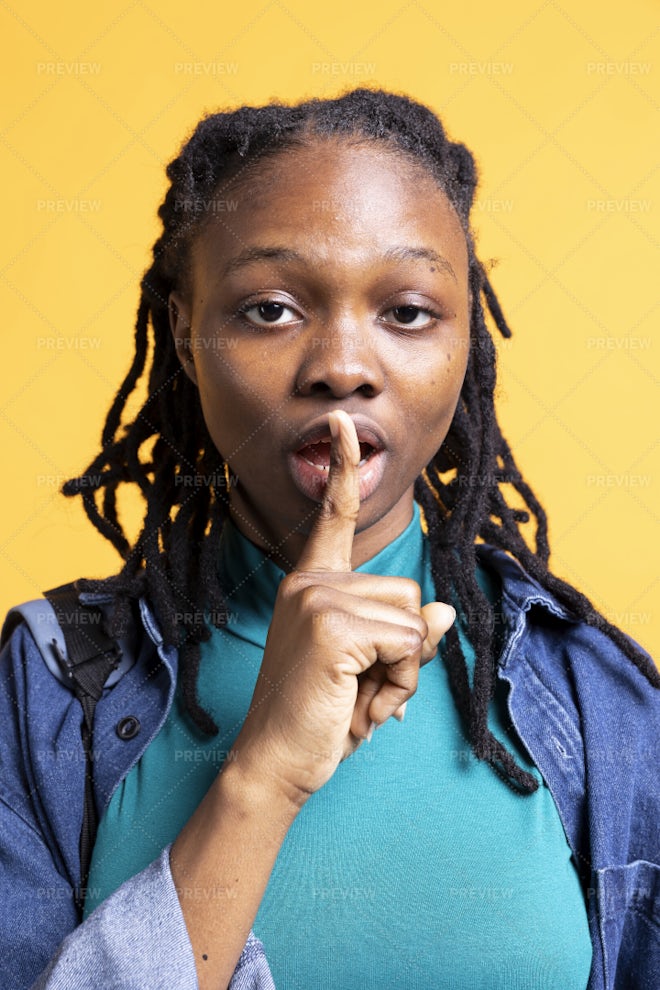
[250,784]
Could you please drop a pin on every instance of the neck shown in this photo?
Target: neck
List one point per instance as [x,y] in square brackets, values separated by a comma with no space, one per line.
[368,541]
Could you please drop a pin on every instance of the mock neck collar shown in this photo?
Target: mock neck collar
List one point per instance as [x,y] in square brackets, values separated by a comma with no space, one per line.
[247,571]
[251,580]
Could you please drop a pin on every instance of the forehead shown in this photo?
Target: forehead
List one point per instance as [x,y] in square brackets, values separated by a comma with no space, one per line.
[322,157]
[335,198]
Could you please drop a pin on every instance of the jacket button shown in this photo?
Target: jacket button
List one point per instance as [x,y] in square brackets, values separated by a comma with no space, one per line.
[128,727]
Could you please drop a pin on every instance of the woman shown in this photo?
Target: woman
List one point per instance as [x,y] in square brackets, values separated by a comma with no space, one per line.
[322,469]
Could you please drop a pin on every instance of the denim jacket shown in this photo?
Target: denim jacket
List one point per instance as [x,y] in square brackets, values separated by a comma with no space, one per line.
[586,715]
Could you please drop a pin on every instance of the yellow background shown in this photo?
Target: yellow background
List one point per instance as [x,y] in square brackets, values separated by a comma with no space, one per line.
[556,100]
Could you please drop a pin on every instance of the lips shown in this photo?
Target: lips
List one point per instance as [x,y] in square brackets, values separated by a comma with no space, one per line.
[309,461]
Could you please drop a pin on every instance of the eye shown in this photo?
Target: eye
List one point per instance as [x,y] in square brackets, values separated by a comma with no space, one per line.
[411,316]
[269,313]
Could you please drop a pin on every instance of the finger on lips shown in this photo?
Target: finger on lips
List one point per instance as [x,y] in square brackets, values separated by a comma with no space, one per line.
[330,543]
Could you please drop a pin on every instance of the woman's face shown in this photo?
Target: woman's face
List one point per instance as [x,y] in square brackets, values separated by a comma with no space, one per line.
[335,277]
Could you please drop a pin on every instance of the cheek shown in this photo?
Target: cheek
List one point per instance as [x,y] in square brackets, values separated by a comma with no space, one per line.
[222,402]
[440,401]
[435,388]
[223,375]
[237,399]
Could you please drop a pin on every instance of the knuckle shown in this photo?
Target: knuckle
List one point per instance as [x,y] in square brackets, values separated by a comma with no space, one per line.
[313,599]
[419,624]
[412,642]
[409,646]
[291,584]
[400,694]
[409,684]
[411,592]
[412,689]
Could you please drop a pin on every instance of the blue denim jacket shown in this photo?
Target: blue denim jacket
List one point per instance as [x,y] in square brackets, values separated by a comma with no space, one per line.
[587,716]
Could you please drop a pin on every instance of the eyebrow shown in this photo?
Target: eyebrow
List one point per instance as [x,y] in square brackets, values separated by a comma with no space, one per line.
[251,255]
[420,254]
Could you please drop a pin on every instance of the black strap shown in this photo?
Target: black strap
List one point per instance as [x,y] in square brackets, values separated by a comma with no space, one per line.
[91,655]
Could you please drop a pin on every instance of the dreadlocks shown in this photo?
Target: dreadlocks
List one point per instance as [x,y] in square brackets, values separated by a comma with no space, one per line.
[173,560]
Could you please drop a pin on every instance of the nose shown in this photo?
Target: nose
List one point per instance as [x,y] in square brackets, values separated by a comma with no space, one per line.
[340,362]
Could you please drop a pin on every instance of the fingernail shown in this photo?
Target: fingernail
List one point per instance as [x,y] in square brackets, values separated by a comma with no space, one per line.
[333,425]
[401,712]
[370,731]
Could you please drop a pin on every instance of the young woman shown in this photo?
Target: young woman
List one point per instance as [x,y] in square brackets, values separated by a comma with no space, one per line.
[360,735]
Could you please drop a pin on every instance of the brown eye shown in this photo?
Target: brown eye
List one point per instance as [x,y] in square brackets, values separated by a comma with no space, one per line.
[406,314]
[270,311]
[411,316]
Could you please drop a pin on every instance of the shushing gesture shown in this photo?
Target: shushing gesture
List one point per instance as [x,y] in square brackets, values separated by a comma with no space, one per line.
[344,649]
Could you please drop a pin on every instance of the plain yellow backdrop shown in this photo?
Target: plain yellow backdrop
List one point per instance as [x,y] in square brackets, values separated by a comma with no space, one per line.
[555,98]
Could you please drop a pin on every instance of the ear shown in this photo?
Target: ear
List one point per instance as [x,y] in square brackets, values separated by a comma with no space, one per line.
[179,312]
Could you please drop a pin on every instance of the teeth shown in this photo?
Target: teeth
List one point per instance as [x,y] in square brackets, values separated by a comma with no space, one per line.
[326,467]
[365,448]
[319,467]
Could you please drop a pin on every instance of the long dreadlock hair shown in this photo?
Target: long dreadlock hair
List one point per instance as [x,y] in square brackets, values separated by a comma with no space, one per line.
[174,559]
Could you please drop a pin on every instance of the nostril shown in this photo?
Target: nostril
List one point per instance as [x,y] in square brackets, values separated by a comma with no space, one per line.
[316,388]
[324,375]
[323,388]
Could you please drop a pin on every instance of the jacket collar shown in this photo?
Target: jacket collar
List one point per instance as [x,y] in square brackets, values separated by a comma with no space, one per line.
[520,591]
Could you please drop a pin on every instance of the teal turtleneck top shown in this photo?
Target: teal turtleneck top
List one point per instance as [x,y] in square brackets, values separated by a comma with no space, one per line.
[415,866]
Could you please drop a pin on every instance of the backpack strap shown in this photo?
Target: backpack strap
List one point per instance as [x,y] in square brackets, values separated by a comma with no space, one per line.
[85,665]
[39,617]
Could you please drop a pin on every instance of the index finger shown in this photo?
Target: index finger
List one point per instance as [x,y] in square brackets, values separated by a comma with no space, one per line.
[330,544]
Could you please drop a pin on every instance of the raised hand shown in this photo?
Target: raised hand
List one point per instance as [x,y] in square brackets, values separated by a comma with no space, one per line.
[343,650]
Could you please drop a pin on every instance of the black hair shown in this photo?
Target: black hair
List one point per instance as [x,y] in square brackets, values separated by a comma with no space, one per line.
[174,559]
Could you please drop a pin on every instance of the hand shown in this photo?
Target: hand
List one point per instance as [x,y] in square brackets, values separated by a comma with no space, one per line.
[343,649]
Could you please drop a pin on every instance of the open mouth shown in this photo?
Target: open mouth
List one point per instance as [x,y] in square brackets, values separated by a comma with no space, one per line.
[310,462]
[318,454]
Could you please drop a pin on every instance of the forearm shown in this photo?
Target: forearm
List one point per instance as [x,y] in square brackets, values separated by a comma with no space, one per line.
[221,863]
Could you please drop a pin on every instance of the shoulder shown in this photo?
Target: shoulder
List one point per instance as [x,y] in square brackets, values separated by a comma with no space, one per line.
[41,638]
[36,706]
[32,635]
[31,638]
[534,613]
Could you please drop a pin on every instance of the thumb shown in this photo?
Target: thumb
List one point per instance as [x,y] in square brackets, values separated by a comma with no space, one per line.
[439,617]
